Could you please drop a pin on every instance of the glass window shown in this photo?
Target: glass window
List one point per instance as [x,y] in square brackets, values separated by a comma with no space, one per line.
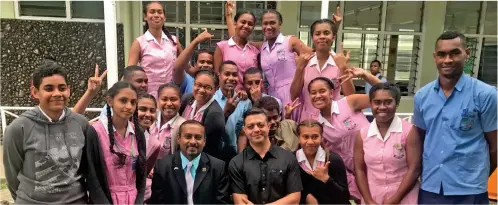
[257,35]
[469,63]
[175,11]
[488,62]
[87,9]
[42,8]
[304,36]
[219,35]
[362,15]
[401,52]
[404,15]
[179,32]
[310,12]
[490,23]
[257,7]
[362,47]
[207,12]
[463,16]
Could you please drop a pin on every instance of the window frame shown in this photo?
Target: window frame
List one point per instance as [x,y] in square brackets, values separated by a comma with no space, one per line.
[17,13]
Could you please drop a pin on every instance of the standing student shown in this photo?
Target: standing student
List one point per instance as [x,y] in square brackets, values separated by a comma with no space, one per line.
[202,107]
[323,173]
[116,151]
[43,152]
[341,119]
[456,116]
[190,176]
[263,173]
[388,153]
[375,67]
[156,50]
[321,64]
[237,48]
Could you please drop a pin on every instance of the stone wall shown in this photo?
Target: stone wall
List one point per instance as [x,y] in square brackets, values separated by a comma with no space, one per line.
[76,46]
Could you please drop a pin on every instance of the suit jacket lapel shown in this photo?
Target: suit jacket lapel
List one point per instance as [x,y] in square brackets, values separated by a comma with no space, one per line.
[179,172]
[202,170]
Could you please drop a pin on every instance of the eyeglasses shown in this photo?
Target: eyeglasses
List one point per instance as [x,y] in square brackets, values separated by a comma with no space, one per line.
[206,87]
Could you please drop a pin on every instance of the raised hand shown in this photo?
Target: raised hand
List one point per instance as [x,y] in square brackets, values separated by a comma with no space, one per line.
[229,7]
[337,17]
[322,172]
[231,103]
[290,107]
[340,59]
[350,74]
[303,59]
[255,92]
[95,82]
[204,36]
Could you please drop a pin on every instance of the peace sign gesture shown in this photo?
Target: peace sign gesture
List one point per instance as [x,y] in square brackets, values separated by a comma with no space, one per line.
[340,59]
[231,104]
[290,107]
[95,82]
[337,17]
[321,172]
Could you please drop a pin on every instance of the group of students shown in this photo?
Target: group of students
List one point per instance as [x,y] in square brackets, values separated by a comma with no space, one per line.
[212,133]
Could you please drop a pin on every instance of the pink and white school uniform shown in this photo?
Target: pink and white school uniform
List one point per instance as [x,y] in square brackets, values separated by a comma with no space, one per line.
[319,160]
[163,138]
[279,65]
[245,58]
[385,159]
[339,136]
[157,59]
[329,70]
[190,114]
[121,180]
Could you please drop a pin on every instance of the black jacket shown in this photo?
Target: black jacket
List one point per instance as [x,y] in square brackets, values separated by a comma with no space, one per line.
[170,187]
[98,188]
[335,191]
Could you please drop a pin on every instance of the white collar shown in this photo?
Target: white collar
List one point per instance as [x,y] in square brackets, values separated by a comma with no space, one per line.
[204,107]
[170,122]
[396,126]
[320,156]
[129,129]
[231,42]
[150,37]
[50,119]
[280,39]
[314,62]
[335,109]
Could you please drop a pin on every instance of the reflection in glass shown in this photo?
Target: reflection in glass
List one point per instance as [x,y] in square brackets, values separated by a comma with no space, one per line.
[42,8]
[402,52]
[488,62]
[490,23]
[462,16]
[87,9]
[362,15]
[310,12]
[362,47]
[207,12]
[404,15]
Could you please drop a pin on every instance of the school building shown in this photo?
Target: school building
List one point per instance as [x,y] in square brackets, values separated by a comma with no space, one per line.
[401,34]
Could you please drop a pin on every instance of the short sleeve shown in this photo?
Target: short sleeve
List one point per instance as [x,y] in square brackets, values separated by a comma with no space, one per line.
[418,119]
[294,177]
[237,178]
[488,109]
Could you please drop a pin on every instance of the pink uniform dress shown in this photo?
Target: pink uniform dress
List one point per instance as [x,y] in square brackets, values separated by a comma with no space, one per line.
[245,58]
[386,160]
[319,161]
[339,136]
[121,180]
[279,66]
[157,59]
[331,71]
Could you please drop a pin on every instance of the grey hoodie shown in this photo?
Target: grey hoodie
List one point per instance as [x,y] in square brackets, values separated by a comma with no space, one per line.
[42,159]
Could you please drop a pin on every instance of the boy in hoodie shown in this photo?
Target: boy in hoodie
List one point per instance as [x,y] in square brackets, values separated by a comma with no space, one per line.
[43,150]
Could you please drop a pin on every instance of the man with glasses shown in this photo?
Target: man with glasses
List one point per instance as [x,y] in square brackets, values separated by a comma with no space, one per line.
[263,173]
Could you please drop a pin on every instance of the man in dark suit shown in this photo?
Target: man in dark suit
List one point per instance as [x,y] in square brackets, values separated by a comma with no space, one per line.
[190,176]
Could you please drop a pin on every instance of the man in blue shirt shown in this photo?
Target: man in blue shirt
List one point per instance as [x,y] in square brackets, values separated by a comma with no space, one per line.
[457,115]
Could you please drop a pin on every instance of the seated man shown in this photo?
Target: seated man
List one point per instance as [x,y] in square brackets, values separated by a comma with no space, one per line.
[263,173]
[190,176]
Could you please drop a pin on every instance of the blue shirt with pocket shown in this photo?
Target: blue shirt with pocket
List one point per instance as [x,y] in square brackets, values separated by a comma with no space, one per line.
[455,150]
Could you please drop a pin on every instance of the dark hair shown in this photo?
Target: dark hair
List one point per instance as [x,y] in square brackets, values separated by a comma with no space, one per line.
[209,72]
[46,69]
[242,12]
[128,71]
[327,81]
[251,70]
[189,122]
[168,85]
[228,62]
[196,56]
[448,35]
[147,96]
[376,61]
[278,14]
[254,111]
[334,27]
[393,89]
[112,92]
[164,27]
[309,123]
[267,103]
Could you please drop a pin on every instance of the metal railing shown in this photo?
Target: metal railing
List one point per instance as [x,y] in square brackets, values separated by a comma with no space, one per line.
[6,110]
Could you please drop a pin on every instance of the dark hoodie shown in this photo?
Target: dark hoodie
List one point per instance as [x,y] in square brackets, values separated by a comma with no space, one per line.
[42,159]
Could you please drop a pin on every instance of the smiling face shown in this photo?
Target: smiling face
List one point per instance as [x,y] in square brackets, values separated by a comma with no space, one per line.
[310,139]
[204,61]
[53,93]
[191,140]
[450,56]
[256,128]
[204,88]
[146,112]
[271,25]
[169,103]
[124,103]
[139,80]
[244,25]
[383,106]
[323,37]
[154,15]
[229,76]
[321,94]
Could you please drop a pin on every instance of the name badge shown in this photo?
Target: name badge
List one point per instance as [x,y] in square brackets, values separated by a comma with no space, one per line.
[281,55]
[349,124]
